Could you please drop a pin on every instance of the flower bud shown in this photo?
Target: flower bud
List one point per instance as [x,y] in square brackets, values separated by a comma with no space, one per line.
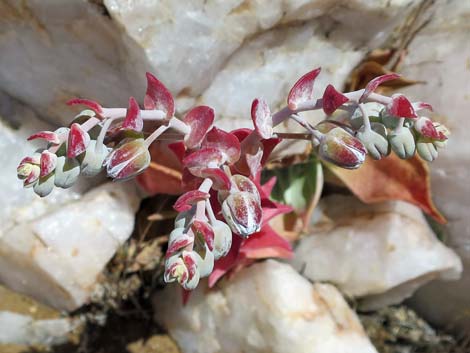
[67,171]
[375,142]
[92,163]
[128,159]
[242,212]
[441,129]
[222,239]
[402,142]
[175,270]
[426,151]
[242,183]
[340,148]
[28,170]
[45,185]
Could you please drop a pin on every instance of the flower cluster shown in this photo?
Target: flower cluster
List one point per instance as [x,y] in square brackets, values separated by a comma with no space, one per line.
[221,168]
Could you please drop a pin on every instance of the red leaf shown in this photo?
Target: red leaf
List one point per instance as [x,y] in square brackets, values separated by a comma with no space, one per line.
[266,243]
[158,97]
[205,230]
[49,136]
[376,82]
[391,178]
[401,107]
[48,163]
[78,141]
[200,120]
[179,149]
[225,142]
[262,120]
[133,119]
[95,106]
[218,176]
[302,91]
[332,100]
[188,199]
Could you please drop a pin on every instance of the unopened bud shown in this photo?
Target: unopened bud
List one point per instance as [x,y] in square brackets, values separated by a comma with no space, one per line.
[67,172]
[243,213]
[128,159]
[403,143]
[341,148]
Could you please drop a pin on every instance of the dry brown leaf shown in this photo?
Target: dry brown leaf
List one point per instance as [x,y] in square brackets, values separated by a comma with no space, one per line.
[392,178]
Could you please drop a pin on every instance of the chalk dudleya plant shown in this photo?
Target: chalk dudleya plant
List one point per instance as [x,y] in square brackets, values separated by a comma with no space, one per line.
[221,168]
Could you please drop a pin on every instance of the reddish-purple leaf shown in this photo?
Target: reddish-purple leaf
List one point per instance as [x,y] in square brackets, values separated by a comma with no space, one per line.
[302,91]
[376,82]
[204,230]
[158,96]
[49,136]
[200,120]
[95,106]
[204,157]
[401,107]
[266,243]
[220,179]
[133,119]
[179,149]
[422,106]
[225,142]
[188,199]
[262,120]
[427,129]
[332,100]
[78,141]
[48,163]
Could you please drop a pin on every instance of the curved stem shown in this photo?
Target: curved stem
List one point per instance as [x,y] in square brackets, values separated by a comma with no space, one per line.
[365,116]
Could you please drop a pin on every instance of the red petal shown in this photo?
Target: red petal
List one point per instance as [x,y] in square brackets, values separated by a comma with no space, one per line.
[133,119]
[376,82]
[401,107]
[158,97]
[200,120]
[205,230]
[203,157]
[225,142]
[332,100]
[48,163]
[426,128]
[188,199]
[96,107]
[262,120]
[190,263]
[49,136]
[422,106]
[218,176]
[302,91]
[78,141]
[178,244]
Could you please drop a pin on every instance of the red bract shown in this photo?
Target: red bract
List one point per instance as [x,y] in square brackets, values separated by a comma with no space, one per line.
[199,119]
[96,107]
[262,120]
[188,199]
[178,240]
[204,230]
[133,119]
[401,107]
[78,141]
[48,163]
[302,91]
[376,82]
[49,136]
[225,142]
[158,97]
[427,129]
[332,100]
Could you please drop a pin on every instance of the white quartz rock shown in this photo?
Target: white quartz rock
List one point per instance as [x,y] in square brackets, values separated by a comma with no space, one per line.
[379,252]
[53,50]
[23,329]
[267,307]
[439,55]
[57,258]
